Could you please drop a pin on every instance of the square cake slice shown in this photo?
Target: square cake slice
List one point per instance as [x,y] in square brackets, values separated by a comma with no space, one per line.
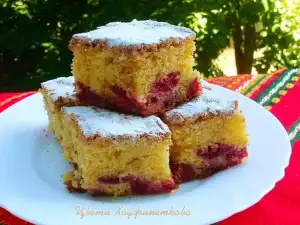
[56,94]
[209,135]
[140,67]
[116,154]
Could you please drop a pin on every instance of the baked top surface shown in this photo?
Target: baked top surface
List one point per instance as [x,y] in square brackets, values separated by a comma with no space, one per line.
[61,87]
[210,103]
[135,33]
[103,123]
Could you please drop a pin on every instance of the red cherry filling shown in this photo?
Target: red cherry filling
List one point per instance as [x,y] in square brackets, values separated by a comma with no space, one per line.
[217,157]
[222,156]
[183,172]
[126,101]
[110,180]
[163,96]
[166,83]
[86,95]
[194,89]
[141,186]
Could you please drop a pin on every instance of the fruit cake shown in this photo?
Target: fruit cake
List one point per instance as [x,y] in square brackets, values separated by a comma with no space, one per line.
[139,67]
[56,94]
[208,134]
[116,154]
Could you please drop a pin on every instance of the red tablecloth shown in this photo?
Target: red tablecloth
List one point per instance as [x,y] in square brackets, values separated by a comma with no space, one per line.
[279,93]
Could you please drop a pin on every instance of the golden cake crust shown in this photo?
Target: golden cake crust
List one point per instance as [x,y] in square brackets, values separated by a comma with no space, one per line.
[205,106]
[61,91]
[135,50]
[104,127]
[57,93]
[130,37]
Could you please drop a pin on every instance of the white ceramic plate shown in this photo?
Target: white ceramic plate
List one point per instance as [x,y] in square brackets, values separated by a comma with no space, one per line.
[31,167]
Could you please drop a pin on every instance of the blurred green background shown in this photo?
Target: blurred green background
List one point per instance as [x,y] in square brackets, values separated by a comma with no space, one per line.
[263,35]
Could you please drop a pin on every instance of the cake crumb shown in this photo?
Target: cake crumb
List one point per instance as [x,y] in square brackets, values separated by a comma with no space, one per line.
[172,192]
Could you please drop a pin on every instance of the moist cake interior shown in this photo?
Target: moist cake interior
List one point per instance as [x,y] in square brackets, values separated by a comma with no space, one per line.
[208,134]
[116,154]
[135,73]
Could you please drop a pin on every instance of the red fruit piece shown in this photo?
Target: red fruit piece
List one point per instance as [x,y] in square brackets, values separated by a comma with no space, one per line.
[110,180]
[125,100]
[222,156]
[194,89]
[183,172]
[166,83]
[141,186]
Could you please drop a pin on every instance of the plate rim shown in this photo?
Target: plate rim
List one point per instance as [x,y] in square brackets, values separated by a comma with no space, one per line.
[284,164]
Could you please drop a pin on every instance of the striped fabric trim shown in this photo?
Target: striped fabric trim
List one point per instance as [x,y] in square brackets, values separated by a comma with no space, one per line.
[275,98]
[234,83]
[257,86]
[294,131]
[276,86]
[246,84]
[253,85]
[274,91]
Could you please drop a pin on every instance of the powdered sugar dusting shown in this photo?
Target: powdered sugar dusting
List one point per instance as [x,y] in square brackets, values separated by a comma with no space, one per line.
[210,103]
[135,33]
[95,121]
[61,87]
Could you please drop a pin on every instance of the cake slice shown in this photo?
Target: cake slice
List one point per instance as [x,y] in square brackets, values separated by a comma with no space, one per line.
[116,154]
[56,94]
[209,135]
[140,67]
